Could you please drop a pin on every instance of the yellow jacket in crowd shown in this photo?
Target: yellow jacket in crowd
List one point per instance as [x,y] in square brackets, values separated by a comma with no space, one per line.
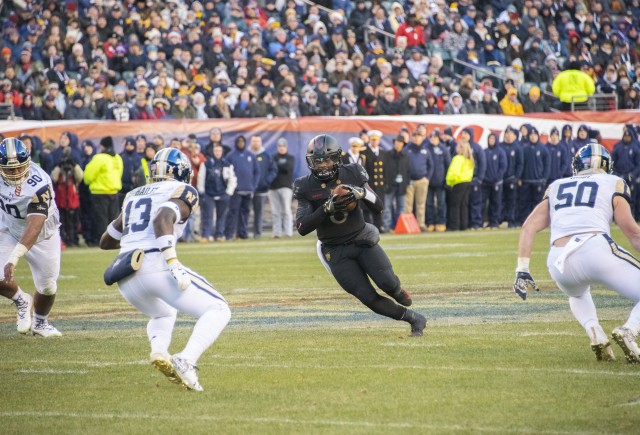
[573,83]
[103,174]
[460,170]
[511,106]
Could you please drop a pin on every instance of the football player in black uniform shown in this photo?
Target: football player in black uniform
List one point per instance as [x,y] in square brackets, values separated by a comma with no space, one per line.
[349,246]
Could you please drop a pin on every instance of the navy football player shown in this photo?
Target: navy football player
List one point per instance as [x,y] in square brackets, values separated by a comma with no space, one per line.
[29,222]
[348,246]
[150,276]
[579,211]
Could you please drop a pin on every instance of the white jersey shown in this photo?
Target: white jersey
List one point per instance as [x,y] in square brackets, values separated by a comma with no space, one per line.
[583,203]
[141,206]
[34,196]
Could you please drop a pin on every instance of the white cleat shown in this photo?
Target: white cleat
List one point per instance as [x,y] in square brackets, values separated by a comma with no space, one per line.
[162,362]
[24,304]
[187,373]
[44,329]
[626,339]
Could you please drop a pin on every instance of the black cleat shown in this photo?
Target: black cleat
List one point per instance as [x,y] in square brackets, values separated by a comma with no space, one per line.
[418,324]
[403,298]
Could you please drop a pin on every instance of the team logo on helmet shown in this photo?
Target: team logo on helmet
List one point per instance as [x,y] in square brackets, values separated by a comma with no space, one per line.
[15,160]
[170,164]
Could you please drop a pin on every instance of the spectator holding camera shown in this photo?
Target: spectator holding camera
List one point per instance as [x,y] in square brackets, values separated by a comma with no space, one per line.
[66,177]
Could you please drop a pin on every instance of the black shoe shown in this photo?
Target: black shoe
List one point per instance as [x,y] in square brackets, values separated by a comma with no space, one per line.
[418,324]
[403,298]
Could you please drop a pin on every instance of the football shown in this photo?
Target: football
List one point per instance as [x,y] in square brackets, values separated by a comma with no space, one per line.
[340,190]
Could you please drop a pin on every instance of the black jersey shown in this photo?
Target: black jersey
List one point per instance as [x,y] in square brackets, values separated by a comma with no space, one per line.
[336,229]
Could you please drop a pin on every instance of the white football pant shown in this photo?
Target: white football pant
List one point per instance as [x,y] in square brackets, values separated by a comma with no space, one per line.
[43,259]
[598,261]
[154,292]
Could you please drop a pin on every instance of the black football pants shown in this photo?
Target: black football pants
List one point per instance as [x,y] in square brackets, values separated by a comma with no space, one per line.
[352,266]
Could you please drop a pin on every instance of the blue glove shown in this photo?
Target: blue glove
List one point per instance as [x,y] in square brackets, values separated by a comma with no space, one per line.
[523,281]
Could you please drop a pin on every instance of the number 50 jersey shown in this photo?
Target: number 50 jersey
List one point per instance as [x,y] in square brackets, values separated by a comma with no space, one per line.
[584,203]
[34,197]
[140,207]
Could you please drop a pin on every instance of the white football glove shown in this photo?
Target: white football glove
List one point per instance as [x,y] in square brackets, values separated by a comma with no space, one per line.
[180,275]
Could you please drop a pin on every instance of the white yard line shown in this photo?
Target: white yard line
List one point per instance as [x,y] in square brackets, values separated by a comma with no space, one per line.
[54,371]
[267,365]
[289,421]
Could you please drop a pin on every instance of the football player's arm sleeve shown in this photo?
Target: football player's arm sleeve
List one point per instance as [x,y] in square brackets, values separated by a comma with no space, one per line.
[307,219]
[111,237]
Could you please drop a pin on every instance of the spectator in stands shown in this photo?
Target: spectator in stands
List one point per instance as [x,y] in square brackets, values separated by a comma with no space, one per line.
[627,158]
[459,176]
[280,191]
[141,110]
[130,165]
[535,173]
[66,177]
[77,109]
[510,104]
[421,168]
[533,103]
[493,181]
[436,203]
[489,103]
[247,172]
[559,160]
[120,109]
[512,175]
[103,175]
[216,184]
[455,106]
[573,87]
[268,172]
[30,112]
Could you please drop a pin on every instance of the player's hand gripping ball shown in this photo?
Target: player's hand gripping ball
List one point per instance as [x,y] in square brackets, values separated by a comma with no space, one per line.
[345,199]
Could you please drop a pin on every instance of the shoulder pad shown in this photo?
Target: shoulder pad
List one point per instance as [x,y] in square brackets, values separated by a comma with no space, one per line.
[188,194]
[622,189]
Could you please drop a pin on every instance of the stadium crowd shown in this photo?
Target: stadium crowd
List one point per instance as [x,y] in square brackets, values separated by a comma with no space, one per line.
[177,59]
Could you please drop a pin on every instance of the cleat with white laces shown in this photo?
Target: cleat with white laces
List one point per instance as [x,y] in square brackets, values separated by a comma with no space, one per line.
[626,339]
[24,304]
[186,373]
[43,328]
[162,362]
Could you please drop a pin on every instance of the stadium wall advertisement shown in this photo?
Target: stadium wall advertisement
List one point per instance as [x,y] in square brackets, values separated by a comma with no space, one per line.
[298,132]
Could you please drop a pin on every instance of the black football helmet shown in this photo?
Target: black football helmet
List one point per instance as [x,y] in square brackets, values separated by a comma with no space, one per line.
[15,161]
[321,150]
[592,156]
[170,164]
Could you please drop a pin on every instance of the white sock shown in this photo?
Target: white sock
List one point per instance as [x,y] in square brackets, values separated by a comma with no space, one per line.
[584,310]
[159,330]
[633,322]
[18,294]
[205,332]
[39,317]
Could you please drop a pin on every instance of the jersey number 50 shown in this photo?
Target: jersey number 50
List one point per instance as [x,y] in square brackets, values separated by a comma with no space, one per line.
[572,194]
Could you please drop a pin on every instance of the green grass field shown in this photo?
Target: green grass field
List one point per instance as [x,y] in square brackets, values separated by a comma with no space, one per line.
[302,356]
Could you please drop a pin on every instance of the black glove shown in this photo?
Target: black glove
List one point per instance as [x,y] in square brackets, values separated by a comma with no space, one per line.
[358,192]
[523,281]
